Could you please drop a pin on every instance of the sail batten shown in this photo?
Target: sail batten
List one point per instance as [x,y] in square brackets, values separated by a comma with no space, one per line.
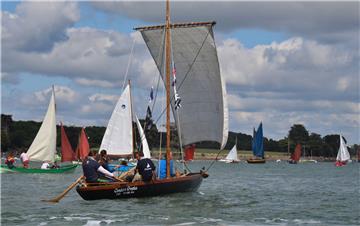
[203,112]
[118,137]
[43,148]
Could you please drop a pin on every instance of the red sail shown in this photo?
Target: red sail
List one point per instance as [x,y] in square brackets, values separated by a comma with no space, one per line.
[83,147]
[189,152]
[67,153]
[297,153]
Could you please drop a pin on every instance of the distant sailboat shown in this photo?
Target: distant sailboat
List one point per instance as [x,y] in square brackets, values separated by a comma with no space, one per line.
[232,157]
[67,153]
[43,148]
[295,156]
[257,146]
[343,155]
[306,160]
[83,147]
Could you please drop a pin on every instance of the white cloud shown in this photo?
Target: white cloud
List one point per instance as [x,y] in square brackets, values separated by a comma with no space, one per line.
[294,66]
[95,82]
[98,97]
[62,93]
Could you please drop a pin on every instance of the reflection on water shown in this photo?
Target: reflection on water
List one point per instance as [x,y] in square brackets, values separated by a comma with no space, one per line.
[234,194]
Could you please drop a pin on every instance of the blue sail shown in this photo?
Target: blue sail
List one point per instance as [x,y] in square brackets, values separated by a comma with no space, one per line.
[258,144]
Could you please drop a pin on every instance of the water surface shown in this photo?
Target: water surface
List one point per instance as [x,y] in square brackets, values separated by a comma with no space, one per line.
[234,194]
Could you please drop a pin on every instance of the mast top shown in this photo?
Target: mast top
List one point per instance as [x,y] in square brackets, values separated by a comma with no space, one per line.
[175,25]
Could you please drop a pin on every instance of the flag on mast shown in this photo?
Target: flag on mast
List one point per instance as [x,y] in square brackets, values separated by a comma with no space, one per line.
[176,95]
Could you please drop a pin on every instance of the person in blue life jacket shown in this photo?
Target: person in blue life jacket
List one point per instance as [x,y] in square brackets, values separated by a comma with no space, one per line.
[93,171]
[145,168]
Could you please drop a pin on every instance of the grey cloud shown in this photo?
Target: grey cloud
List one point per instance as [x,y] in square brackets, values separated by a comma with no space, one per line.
[37,26]
[324,21]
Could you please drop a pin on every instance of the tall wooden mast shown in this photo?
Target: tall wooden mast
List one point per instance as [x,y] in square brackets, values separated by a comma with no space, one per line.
[167,63]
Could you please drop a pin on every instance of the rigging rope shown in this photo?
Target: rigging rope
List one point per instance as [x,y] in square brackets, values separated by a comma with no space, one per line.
[129,62]
[214,160]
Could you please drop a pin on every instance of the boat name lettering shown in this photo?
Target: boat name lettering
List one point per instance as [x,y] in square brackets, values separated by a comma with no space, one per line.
[125,191]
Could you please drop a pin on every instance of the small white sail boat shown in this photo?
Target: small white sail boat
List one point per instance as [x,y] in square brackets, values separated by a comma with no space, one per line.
[232,157]
[343,155]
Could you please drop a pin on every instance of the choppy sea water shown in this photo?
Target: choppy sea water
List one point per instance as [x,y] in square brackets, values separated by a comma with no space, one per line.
[234,194]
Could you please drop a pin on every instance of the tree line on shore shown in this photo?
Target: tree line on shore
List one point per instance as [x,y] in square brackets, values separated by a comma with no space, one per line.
[18,136]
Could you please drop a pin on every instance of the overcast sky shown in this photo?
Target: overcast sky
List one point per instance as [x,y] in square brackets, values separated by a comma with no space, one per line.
[284,63]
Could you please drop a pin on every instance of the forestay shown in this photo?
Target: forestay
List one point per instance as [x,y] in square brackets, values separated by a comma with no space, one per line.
[343,154]
[144,143]
[204,114]
[43,147]
[118,139]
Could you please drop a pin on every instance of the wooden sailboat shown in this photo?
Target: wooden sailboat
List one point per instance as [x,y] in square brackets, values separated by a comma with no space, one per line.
[343,155]
[257,146]
[295,156]
[43,148]
[203,105]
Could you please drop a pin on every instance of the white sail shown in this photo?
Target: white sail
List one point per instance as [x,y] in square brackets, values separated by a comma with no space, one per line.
[43,148]
[343,154]
[144,143]
[118,137]
[232,156]
[203,115]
